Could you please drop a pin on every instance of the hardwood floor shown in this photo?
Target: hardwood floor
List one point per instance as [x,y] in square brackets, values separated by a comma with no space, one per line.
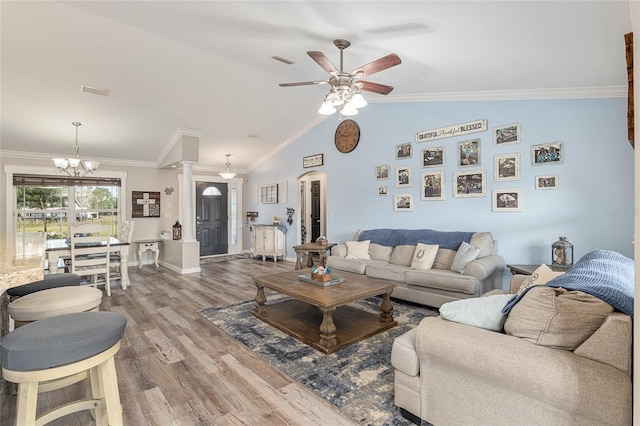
[176,368]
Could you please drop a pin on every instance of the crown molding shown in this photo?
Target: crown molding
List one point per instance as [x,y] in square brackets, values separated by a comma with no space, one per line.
[48,157]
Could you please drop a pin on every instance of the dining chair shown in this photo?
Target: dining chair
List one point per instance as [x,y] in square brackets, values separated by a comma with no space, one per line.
[87,241]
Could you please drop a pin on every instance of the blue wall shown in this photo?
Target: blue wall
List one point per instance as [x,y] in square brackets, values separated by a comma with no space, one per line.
[593,206]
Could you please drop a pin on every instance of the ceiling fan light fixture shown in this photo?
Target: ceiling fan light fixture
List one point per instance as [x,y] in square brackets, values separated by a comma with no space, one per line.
[333,99]
[358,101]
[349,110]
[326,109]
[227,174]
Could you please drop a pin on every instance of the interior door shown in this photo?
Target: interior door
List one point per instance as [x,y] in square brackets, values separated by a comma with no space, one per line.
[211,218]
[315,210]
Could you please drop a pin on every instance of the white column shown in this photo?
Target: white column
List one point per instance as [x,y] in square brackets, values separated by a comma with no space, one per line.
[188,216]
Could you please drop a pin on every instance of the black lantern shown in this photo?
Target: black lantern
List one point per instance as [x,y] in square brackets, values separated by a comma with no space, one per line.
[177,231]
[562,253]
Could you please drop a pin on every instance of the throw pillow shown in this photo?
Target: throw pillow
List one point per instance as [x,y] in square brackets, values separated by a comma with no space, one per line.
[484,241]
[556,317]
[380,252]
[465,255]
[483,312]
[542,275]
[402,255]
[358,250]
[423,256]
[444,259]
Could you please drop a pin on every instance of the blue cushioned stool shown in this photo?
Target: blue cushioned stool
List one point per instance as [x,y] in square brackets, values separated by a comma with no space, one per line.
[49,281]
[55,352]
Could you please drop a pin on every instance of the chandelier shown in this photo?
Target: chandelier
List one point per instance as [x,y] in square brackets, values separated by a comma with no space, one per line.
[227,174]
[75,166]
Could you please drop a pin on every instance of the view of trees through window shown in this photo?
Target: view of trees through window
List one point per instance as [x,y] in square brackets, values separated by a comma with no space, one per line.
[51,209]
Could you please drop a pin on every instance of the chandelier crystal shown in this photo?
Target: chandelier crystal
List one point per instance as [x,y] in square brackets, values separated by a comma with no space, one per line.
[227,174]
[75,166]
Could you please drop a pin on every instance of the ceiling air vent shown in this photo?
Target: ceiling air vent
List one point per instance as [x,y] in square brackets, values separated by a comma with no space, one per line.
[95,90]
[283,60]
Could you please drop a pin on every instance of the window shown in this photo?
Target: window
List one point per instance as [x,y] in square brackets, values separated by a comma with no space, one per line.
[51,204]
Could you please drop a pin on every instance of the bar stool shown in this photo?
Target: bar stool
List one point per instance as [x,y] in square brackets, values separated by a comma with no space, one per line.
[49,281]
[52,302]
[56,352]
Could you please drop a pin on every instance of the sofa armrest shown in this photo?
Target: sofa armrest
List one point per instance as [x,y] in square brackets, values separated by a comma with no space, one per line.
[611,343]
[516,283]
[339,250]
[485,267]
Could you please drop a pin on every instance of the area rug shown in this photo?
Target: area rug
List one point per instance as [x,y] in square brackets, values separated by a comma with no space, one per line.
[358,379]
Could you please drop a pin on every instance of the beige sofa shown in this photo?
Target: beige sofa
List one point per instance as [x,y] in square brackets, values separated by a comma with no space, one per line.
[390,256]
[448,373]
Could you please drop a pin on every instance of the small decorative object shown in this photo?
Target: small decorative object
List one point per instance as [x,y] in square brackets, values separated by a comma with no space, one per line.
[432,186]
[382,172]
[547,182]
[507,200]
[290,213]
[403,151]
[322,274]
[177,231]
[403,177]
[313,160]
[276,220]
[403,202]
[469,184]
[469,153]
[322,240]
[507,167]
[145,204]
[562,253]
[269,193]
[165,235]
[547,153]
[433,157]
[508,134]
[168,190]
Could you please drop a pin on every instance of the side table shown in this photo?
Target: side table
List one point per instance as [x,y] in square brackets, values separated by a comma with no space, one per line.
[312,248]
[144,245]
[528,269]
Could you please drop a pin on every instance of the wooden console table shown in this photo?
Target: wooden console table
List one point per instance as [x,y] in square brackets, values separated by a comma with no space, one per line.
[312,248]
[143,246]
[528,269]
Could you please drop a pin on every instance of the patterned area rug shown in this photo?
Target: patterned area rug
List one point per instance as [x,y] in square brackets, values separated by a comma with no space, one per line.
[358,379]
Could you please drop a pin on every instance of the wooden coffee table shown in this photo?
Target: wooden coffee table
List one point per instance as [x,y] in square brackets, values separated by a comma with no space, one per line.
[317,315]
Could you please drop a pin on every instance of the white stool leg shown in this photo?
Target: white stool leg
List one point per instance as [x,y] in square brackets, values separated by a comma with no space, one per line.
[27,403]
[109,381]
[95,391]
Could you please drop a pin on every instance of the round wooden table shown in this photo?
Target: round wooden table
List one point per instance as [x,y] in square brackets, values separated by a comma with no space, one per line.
[312,248]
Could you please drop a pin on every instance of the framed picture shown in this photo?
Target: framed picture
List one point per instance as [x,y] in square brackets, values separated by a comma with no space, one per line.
[403,151]
[403,202]
[507,200]
[507,167]
[313,160]
[382,172]
[403,177]
[470,184]
[145,204]
[269,193]
[382,190]
[505,135]
[469,153]
[433,157]
[547,153]
[432,186]
[547,182]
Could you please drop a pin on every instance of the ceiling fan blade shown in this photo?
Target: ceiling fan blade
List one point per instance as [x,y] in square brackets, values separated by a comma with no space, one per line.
[302,83]
[323,61]
[391,60]
[381,89]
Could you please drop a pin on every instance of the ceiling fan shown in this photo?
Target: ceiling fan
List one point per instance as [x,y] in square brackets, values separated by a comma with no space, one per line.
[345,87]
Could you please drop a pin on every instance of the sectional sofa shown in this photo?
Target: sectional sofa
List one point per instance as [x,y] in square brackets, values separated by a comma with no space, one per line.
[430,267]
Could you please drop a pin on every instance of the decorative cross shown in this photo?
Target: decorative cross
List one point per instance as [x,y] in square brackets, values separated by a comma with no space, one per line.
[145,201]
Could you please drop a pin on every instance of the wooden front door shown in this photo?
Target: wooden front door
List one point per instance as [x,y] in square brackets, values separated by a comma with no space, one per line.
[211,218]
[315,210]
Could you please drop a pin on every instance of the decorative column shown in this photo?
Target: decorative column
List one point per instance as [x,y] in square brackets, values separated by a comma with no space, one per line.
[188,215]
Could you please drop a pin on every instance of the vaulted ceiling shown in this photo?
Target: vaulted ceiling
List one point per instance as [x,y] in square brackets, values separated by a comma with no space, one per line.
[207,67]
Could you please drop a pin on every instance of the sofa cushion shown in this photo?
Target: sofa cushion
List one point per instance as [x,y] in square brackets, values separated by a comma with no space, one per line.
[402,255]
[445,280]
[465,255]
[358,250]
[556,317]
[387,271]
[444,259]
[484,241]
[357,266]
[542,275]
[380,252]
[403,353]
[484,312]
[423,256]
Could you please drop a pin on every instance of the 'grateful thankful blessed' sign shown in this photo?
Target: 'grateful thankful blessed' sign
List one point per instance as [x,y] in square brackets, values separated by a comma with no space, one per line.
[446,132]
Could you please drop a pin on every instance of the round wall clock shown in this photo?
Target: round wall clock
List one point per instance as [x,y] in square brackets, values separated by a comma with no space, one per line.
[347,136]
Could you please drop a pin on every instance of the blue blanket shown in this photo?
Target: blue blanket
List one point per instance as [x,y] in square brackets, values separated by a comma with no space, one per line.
[396,237]
[605,274]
